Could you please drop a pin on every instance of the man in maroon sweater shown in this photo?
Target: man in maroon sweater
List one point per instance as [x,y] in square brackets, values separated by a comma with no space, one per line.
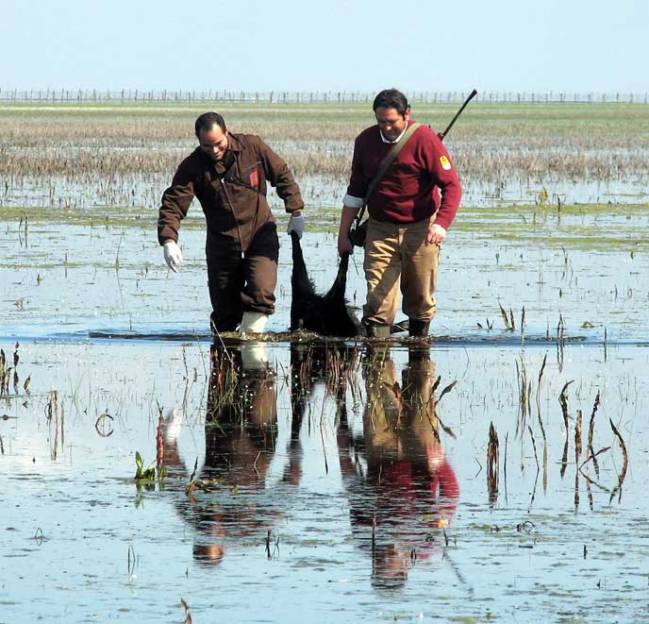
[408,216]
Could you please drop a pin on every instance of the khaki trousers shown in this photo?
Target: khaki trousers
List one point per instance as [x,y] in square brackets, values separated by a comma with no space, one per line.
[398,258]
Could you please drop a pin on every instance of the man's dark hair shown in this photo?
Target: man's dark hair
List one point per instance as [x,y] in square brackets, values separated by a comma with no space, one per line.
[391,98]
[206,122]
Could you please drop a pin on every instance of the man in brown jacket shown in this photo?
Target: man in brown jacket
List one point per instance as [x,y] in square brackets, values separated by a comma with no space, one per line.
[228,174]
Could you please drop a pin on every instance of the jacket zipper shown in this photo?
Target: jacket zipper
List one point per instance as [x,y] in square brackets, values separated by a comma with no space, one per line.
[234,214]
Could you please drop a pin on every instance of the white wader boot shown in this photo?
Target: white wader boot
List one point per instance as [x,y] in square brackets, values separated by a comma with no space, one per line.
[172,425]
[253,323]
[253,354]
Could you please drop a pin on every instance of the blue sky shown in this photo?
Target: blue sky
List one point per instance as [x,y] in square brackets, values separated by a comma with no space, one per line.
[570,45]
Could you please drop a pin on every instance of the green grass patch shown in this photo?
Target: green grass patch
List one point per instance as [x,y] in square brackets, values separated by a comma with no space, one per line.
[587,227]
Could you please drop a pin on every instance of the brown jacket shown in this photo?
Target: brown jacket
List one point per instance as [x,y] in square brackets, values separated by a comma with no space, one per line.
[232,193]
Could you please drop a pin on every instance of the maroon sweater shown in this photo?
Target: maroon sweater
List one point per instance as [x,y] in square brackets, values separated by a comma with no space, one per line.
[410,189]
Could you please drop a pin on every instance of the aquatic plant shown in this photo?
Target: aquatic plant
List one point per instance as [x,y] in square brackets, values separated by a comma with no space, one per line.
[147,475]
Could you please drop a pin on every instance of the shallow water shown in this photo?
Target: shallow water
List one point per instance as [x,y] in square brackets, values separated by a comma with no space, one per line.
[321,191]
[584,269]
[317,462]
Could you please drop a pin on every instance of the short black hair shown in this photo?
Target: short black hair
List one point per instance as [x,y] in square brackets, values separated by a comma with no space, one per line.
[206,122]
[391,98]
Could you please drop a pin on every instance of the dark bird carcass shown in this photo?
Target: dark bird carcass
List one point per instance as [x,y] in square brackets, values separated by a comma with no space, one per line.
[326,315]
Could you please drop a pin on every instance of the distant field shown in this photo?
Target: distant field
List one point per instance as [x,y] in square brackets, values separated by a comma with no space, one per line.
[93,155]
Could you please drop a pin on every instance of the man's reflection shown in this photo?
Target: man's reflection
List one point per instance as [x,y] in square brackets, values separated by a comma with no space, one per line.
[229,499]
[402,490]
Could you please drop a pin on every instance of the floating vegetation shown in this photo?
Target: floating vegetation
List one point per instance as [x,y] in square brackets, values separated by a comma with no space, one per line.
[147,476]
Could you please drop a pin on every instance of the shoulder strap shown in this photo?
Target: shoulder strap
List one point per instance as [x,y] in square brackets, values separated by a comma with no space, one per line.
[385,164]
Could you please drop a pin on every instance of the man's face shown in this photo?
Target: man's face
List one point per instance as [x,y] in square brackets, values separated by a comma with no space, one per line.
[391,122]
[214,142]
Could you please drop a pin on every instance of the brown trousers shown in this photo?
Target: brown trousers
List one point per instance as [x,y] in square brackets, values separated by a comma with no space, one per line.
[400,421]
[241,281]
[398,258]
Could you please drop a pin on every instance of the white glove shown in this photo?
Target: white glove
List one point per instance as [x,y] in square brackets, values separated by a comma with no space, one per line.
[296,224]
[173,255]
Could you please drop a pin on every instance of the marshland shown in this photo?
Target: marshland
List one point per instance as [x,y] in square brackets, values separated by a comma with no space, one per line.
[494,473]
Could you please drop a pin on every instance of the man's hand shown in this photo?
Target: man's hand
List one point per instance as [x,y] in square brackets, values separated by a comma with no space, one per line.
[436,234]
[173,255]
[296,224]
[345,245]
[347,217]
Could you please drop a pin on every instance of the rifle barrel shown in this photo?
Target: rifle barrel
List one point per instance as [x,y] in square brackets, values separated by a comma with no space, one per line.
[471,96]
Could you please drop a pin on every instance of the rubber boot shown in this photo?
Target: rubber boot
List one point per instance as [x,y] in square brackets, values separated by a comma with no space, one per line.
[418,355]
[254,356]
[418,329]
[378,331]
[253,323]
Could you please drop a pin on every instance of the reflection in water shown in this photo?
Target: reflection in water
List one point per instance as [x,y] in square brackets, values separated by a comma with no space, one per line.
[402,491]
[400,488]
[333,364]
[227,499]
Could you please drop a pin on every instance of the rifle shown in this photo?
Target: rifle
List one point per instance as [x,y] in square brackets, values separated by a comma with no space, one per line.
[358,232]
[441,135]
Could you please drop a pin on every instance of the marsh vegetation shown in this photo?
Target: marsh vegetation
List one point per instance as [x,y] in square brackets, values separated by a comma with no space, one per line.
[493,473]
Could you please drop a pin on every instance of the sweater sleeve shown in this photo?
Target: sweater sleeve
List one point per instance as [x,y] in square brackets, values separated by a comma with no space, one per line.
[358,182]
[445,177]
[175,203]
[280,177]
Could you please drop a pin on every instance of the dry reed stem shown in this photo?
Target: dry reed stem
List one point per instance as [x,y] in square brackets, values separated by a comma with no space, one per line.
[536,457]
[159,456]
[625,464]
[540,420]
[591,431]
[188,615]
[493,461]
[524,395]
[563,400]
[578,422]
[593,455]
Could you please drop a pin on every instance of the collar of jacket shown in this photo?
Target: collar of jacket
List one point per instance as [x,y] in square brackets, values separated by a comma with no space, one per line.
[233,146]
